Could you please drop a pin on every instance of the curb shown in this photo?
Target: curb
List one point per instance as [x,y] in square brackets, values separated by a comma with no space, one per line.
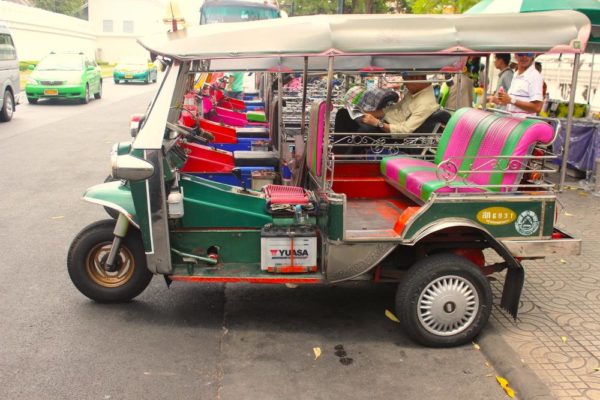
[508,364]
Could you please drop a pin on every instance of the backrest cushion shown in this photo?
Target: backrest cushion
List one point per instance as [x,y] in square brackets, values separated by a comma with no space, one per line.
[314,148]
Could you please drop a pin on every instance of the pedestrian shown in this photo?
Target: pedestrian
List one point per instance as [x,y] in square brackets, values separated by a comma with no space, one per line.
[235,85]
[524,97]
[505,77]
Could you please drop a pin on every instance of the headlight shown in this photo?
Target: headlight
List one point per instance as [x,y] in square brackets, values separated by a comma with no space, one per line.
[129,167]
[74,81]
[31,81]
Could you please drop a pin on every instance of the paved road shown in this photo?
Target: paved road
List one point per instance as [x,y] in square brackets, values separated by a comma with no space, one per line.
[188,342]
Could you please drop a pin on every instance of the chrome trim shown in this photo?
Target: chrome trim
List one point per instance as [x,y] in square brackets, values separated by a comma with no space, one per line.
[114,206]
[348,260]
[441,225]
[542,248]
[159,259]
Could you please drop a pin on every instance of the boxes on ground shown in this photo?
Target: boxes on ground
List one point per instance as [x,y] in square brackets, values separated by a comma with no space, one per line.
[288,249]
[262,178]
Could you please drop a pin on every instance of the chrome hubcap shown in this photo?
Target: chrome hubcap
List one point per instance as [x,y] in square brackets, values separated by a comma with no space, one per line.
[448,305]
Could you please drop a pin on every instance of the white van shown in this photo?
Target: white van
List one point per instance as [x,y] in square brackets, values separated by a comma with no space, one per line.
[9,75]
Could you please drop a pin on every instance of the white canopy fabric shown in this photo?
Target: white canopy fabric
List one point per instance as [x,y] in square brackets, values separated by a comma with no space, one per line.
[372,36]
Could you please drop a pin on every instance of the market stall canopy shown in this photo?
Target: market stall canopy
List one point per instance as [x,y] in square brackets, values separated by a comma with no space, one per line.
[591,8]
[370,40]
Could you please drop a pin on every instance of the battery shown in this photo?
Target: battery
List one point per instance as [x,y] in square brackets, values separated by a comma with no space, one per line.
[288,249]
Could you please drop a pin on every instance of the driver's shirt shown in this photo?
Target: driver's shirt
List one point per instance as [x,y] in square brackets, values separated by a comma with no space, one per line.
[410,112]
[525,87]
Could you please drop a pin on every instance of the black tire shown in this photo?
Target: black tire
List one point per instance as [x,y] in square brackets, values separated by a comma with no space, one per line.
[465,309]
[98,95]
[85,256]
[86,96]
[117,81]
[8,106]
[31,100]
[147,79]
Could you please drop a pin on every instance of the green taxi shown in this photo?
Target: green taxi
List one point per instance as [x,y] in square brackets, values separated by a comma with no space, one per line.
[136,71]
[64,75]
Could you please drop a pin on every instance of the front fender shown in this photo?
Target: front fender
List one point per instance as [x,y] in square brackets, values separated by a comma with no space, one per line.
[115,195]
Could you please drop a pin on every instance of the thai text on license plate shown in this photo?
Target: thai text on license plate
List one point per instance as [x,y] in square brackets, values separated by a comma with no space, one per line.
[50,92]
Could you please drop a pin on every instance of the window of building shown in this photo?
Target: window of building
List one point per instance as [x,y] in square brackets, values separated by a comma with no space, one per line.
[127,26]
[107,25]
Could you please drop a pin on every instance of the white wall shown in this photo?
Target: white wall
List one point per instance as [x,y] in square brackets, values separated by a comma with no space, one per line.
[37,32]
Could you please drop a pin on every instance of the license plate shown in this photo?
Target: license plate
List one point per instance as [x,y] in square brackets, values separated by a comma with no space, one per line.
[129,76]
[50,92]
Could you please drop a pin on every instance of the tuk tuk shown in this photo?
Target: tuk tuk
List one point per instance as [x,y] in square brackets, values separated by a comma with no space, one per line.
[437,223]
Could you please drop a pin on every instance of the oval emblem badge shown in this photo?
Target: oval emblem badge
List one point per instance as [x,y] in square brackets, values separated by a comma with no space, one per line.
[496,216]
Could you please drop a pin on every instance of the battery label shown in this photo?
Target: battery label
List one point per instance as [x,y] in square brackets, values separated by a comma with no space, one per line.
[286,252]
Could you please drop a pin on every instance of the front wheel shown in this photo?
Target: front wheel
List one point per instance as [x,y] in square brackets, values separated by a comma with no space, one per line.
[86,95]
[87,256]
[443,301]
[8,107]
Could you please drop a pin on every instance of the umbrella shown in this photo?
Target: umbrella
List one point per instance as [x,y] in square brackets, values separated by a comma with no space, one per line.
[591,8]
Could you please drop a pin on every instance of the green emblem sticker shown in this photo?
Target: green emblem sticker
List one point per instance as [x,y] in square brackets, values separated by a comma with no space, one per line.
[496,216]
[528,223]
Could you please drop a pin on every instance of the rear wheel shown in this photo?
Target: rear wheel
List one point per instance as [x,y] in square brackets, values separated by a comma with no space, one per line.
[8,106]
[443,301]
[147,79]
[87,256]
[98,95]
[117,81]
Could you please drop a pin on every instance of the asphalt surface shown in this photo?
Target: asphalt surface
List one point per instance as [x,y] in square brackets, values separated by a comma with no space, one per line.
[210,341]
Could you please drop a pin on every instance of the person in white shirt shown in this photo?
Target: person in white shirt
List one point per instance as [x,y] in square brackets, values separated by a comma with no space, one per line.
[524,97]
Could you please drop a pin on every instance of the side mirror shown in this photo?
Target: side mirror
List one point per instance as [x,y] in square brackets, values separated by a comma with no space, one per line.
[31,67]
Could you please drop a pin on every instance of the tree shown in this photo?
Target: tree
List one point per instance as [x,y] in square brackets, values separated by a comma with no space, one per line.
[312,7]
[67,7]
[437,7]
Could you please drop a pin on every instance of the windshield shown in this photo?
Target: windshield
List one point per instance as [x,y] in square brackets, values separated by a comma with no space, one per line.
[220,13]
[61,62]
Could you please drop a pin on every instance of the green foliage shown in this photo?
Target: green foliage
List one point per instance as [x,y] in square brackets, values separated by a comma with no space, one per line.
[67,7]
[436,7]
[312,7]
[24,65]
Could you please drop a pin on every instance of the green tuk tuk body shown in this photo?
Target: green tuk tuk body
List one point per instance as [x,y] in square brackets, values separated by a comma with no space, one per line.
[363,225]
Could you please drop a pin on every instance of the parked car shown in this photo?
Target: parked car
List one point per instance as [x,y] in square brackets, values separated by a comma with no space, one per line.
[136,71]
[9,75]
[64,75]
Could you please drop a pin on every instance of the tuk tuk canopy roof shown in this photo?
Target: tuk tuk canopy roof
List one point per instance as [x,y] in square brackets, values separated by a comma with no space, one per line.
[376,35]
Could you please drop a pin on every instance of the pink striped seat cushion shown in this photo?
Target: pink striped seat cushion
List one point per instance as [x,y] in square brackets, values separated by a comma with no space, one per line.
[478,143]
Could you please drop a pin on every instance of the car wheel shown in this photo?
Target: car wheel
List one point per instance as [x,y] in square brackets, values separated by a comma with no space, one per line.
[8,108]
[31,100]
[86,258]
[86,96]
[98,95]
[147,79]
[117,81]
[443,301]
